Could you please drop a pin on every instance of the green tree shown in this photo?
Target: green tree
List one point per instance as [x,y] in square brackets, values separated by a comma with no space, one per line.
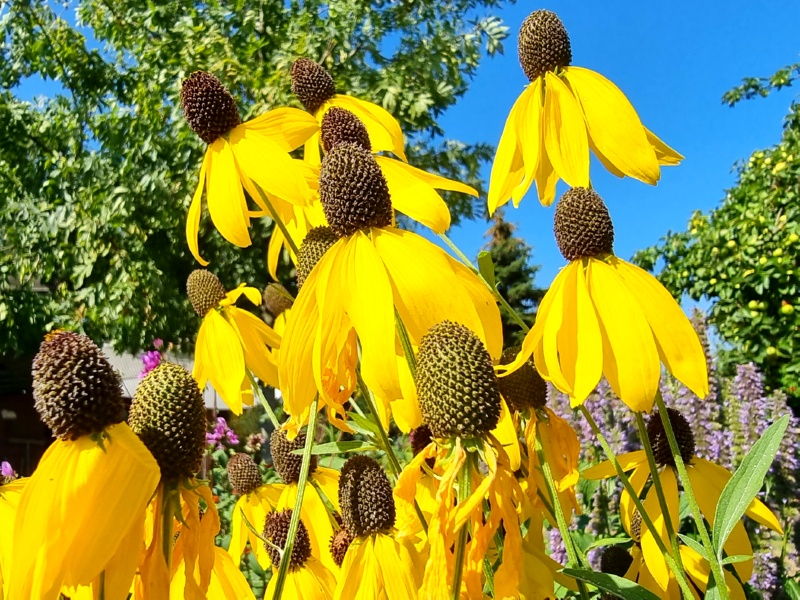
[514,276]
[745,255]
[95,181]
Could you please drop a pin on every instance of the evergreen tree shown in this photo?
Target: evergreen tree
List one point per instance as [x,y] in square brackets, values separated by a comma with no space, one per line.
[514,275]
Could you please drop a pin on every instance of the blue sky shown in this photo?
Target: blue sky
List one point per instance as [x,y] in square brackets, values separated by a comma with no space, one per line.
[673,61]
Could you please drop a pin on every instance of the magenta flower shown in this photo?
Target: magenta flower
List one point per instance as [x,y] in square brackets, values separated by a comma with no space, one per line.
[6,470]
[222,433]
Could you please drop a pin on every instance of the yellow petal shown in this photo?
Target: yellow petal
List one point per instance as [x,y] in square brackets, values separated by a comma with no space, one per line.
[226,203]
[506,434]
[559,311]
[283,177]
[546,176]
[359,575]
[565,133]
[665,155]
[256,338]
[699,571]
[383,129]
[652,555]
[630,357]
[637,479]
[413,196]
[250,293]
[606,469]
[288,128]
[529,134]
[677,342]
[227,581]
[397,568]
[613,125]
[193,218]
[223,358]
[507,166]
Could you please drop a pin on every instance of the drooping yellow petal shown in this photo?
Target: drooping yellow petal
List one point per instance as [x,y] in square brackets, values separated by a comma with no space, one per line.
[564,132]
[288,128]
[400,578]
[546,175]
[605,469]
[652,555]
[630,357]
[588,341]
[508,169]
[193,218]
[226,203]
[384,131]
[559,311]
[413,195]
[255,337]
[263,161]
[613,125]
[506,434]
[677,342]
[699,571]
[405,410]
[227,581]
[360,577]
[638,479]
[242,289]
[665,155]
[223,358]
[529,134]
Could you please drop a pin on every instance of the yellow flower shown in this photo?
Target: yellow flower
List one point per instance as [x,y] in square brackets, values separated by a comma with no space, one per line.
[306,578]
[561,115]
[10,492]
[707,481]
[372,270]
[227,581]
[378,563]
[314,87]
[249,155]
[604,316]
[93,483]
[231,341]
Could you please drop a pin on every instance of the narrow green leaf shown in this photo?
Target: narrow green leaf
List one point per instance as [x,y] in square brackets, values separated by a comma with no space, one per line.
[694,545]
[362,425]
[746,482]
[607,542]
[612,584]
[338,447]
[736,558]
[793,589]
[712,591]
[486,267]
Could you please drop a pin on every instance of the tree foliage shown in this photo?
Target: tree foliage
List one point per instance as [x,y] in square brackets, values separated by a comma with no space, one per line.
[96,179]
[745,257]
[514,275]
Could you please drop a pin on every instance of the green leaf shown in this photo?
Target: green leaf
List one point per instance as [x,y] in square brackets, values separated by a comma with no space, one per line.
[694,545]
[337,447]
[607,542]
[612,584]
[736,558]
[486,267]
[362,425]
[793,589]
[746,482]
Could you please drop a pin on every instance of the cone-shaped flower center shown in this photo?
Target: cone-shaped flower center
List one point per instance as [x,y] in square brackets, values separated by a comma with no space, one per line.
[208,106]
[243,474]
[276,530]
[353,191]
[660,443]
[286,463]
[583,226]
[543,44]
[169,416]
[456,384]
[420,438]
[340,542]
[276,299]
[365,497]
[340,126]
[313,248]
[615,560]
[524,388]
[205,291]
[311,83]
[75,390]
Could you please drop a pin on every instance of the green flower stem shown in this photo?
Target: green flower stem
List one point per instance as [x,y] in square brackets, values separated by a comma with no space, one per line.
[716,566]
[101,591]
[464,485]
[263,399]
[464,259]
[274,214]
[168,499]
[561,520]
[680,575]
[662,499]
[298,504]
[386,445]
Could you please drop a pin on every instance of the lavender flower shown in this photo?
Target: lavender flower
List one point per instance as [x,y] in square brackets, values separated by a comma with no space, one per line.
[222,433]
[558,552]
[6,471]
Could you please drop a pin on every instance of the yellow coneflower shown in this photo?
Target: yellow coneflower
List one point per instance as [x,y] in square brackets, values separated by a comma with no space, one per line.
[376,562]
[227,581]
[231,341]
[377,271]
[236,155]
[299,220]
[168,415]
[604,316]
[256,501]
[564,112]
[93,482]
[307,578]
[314,87]
[707,480]
[413,190]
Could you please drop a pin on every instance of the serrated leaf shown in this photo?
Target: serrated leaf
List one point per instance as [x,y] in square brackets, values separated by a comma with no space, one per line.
[338,447]
[612,584]
[742,488]
[694,545]
[486,267]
